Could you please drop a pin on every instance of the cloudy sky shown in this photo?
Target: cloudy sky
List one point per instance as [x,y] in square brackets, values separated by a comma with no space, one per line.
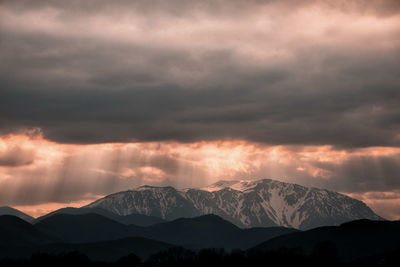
[100,96]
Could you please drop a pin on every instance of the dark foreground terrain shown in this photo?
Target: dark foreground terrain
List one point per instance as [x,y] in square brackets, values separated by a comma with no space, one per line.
[95,240]
[180,257]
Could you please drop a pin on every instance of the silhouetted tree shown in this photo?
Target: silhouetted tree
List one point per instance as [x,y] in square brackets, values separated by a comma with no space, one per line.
[129,260]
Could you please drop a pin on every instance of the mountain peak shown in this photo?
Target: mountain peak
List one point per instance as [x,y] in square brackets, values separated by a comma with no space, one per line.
[146,187]
[238,185]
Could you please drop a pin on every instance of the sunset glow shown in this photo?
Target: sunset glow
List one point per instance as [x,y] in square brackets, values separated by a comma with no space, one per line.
[103,96]
[81,173]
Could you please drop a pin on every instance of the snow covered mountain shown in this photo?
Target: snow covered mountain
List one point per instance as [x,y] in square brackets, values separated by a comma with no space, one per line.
[246,203]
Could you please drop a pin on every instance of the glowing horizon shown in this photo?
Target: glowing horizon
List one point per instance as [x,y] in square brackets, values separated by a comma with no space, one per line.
[80,174]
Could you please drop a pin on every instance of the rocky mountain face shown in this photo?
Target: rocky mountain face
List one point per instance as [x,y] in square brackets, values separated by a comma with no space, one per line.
[246,203]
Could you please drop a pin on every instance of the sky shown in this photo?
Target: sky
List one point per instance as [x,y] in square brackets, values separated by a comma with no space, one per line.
[101,96]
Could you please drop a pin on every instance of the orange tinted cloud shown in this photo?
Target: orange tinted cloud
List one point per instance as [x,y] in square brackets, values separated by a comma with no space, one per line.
[41,209]
[386,203]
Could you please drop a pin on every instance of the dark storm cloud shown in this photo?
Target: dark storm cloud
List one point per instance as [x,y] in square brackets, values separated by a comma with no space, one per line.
[66,70]
[363,174]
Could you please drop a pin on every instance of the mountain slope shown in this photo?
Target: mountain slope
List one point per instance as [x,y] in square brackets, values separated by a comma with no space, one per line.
[136,219]
[252,236]
[14,212]
[111,250]
[164,202]
[84,228]
[19,239]
[200,232]
[348,241]
[260,203]
[17,232]
[211,231]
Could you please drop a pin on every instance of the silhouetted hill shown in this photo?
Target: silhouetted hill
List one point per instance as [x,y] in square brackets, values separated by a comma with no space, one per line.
[211,231]
[64,233]
[101,238]
[199,232]
[17,232]
[5,210]
[136,219]
[84,228]
[253,236]
[139,219]
[348,241]
[111,250]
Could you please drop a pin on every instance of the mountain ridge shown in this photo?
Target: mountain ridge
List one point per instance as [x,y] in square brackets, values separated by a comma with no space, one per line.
[205,231]
[246,203]
[348,241]
[15,231]
[136,219]
[100,238]
[6,210]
